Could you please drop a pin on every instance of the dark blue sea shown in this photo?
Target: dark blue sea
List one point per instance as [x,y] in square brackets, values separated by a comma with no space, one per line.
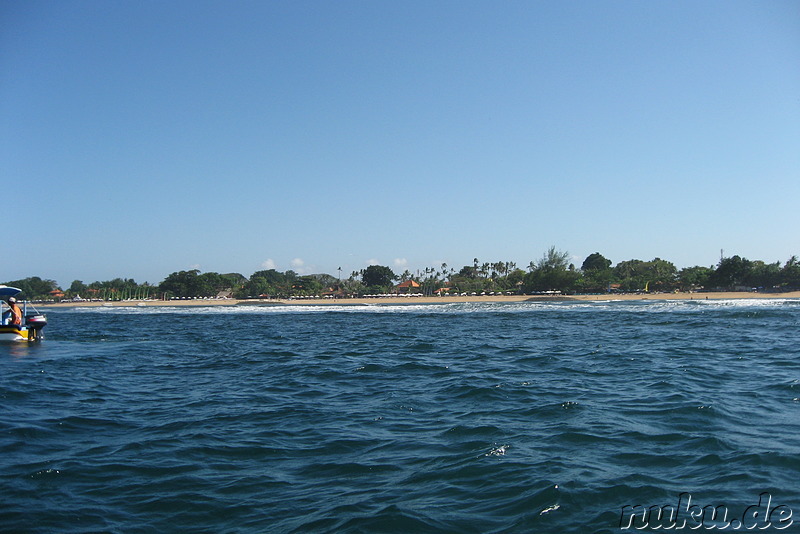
[464,418]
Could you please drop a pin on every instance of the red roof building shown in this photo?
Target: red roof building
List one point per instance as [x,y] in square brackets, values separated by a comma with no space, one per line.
[407,286]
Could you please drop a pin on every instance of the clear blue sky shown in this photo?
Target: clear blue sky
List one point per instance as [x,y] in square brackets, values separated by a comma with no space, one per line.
[139,138]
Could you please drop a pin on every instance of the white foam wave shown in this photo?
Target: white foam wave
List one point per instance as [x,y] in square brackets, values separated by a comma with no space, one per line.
[635,306]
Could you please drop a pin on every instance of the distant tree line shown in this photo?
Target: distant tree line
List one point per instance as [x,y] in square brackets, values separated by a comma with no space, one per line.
[552,272]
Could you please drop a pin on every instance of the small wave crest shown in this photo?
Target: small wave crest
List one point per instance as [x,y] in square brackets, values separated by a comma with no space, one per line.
[650,304]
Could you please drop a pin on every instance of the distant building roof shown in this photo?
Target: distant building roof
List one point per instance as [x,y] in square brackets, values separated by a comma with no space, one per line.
[408,283]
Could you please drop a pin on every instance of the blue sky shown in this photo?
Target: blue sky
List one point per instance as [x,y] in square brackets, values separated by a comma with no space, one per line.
[143,138]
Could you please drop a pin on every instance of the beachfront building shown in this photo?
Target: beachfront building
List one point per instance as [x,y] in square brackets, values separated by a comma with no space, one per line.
[409,286]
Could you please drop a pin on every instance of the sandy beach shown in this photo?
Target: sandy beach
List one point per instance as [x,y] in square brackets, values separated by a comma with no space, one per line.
[428,300]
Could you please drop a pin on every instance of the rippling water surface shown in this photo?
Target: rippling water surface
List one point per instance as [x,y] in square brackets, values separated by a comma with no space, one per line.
[444,418]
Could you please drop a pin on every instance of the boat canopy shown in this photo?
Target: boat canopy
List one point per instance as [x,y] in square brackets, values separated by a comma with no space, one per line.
[8,291]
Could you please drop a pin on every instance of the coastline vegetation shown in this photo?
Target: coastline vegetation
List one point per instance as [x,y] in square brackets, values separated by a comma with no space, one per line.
[552,273]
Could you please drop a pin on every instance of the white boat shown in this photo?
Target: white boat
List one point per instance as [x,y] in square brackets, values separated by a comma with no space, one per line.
[32,320]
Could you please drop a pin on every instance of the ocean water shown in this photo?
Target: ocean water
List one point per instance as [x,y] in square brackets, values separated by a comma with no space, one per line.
[549,417]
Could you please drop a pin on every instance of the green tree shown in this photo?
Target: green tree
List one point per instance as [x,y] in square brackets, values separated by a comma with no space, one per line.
[790,274]
[631,275]
[554,260]
[351,286]
[269,283]
[211,284]
[378,276]
[661,274]
[257,287]
[34,288]
[595,262]
[307,285]
[597,273]
[468,271]
[596,281]
[552,272]
[636,275]
[325,280]
[77,287]
[691,278]
[764,275]
[515,280]
[270,276]
[234,280]
[181,284]
[731,273]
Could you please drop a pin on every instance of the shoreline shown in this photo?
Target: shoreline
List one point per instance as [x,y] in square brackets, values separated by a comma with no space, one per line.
[401,300]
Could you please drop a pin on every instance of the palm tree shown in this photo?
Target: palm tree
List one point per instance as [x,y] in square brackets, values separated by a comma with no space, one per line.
[497,268]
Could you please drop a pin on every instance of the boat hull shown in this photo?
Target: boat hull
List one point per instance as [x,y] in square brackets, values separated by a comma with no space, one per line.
[15,333]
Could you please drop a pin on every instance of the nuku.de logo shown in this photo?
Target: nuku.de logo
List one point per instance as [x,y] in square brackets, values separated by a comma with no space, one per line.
[686,515]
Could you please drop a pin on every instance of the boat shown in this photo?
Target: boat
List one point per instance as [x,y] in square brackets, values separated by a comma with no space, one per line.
[32,320]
